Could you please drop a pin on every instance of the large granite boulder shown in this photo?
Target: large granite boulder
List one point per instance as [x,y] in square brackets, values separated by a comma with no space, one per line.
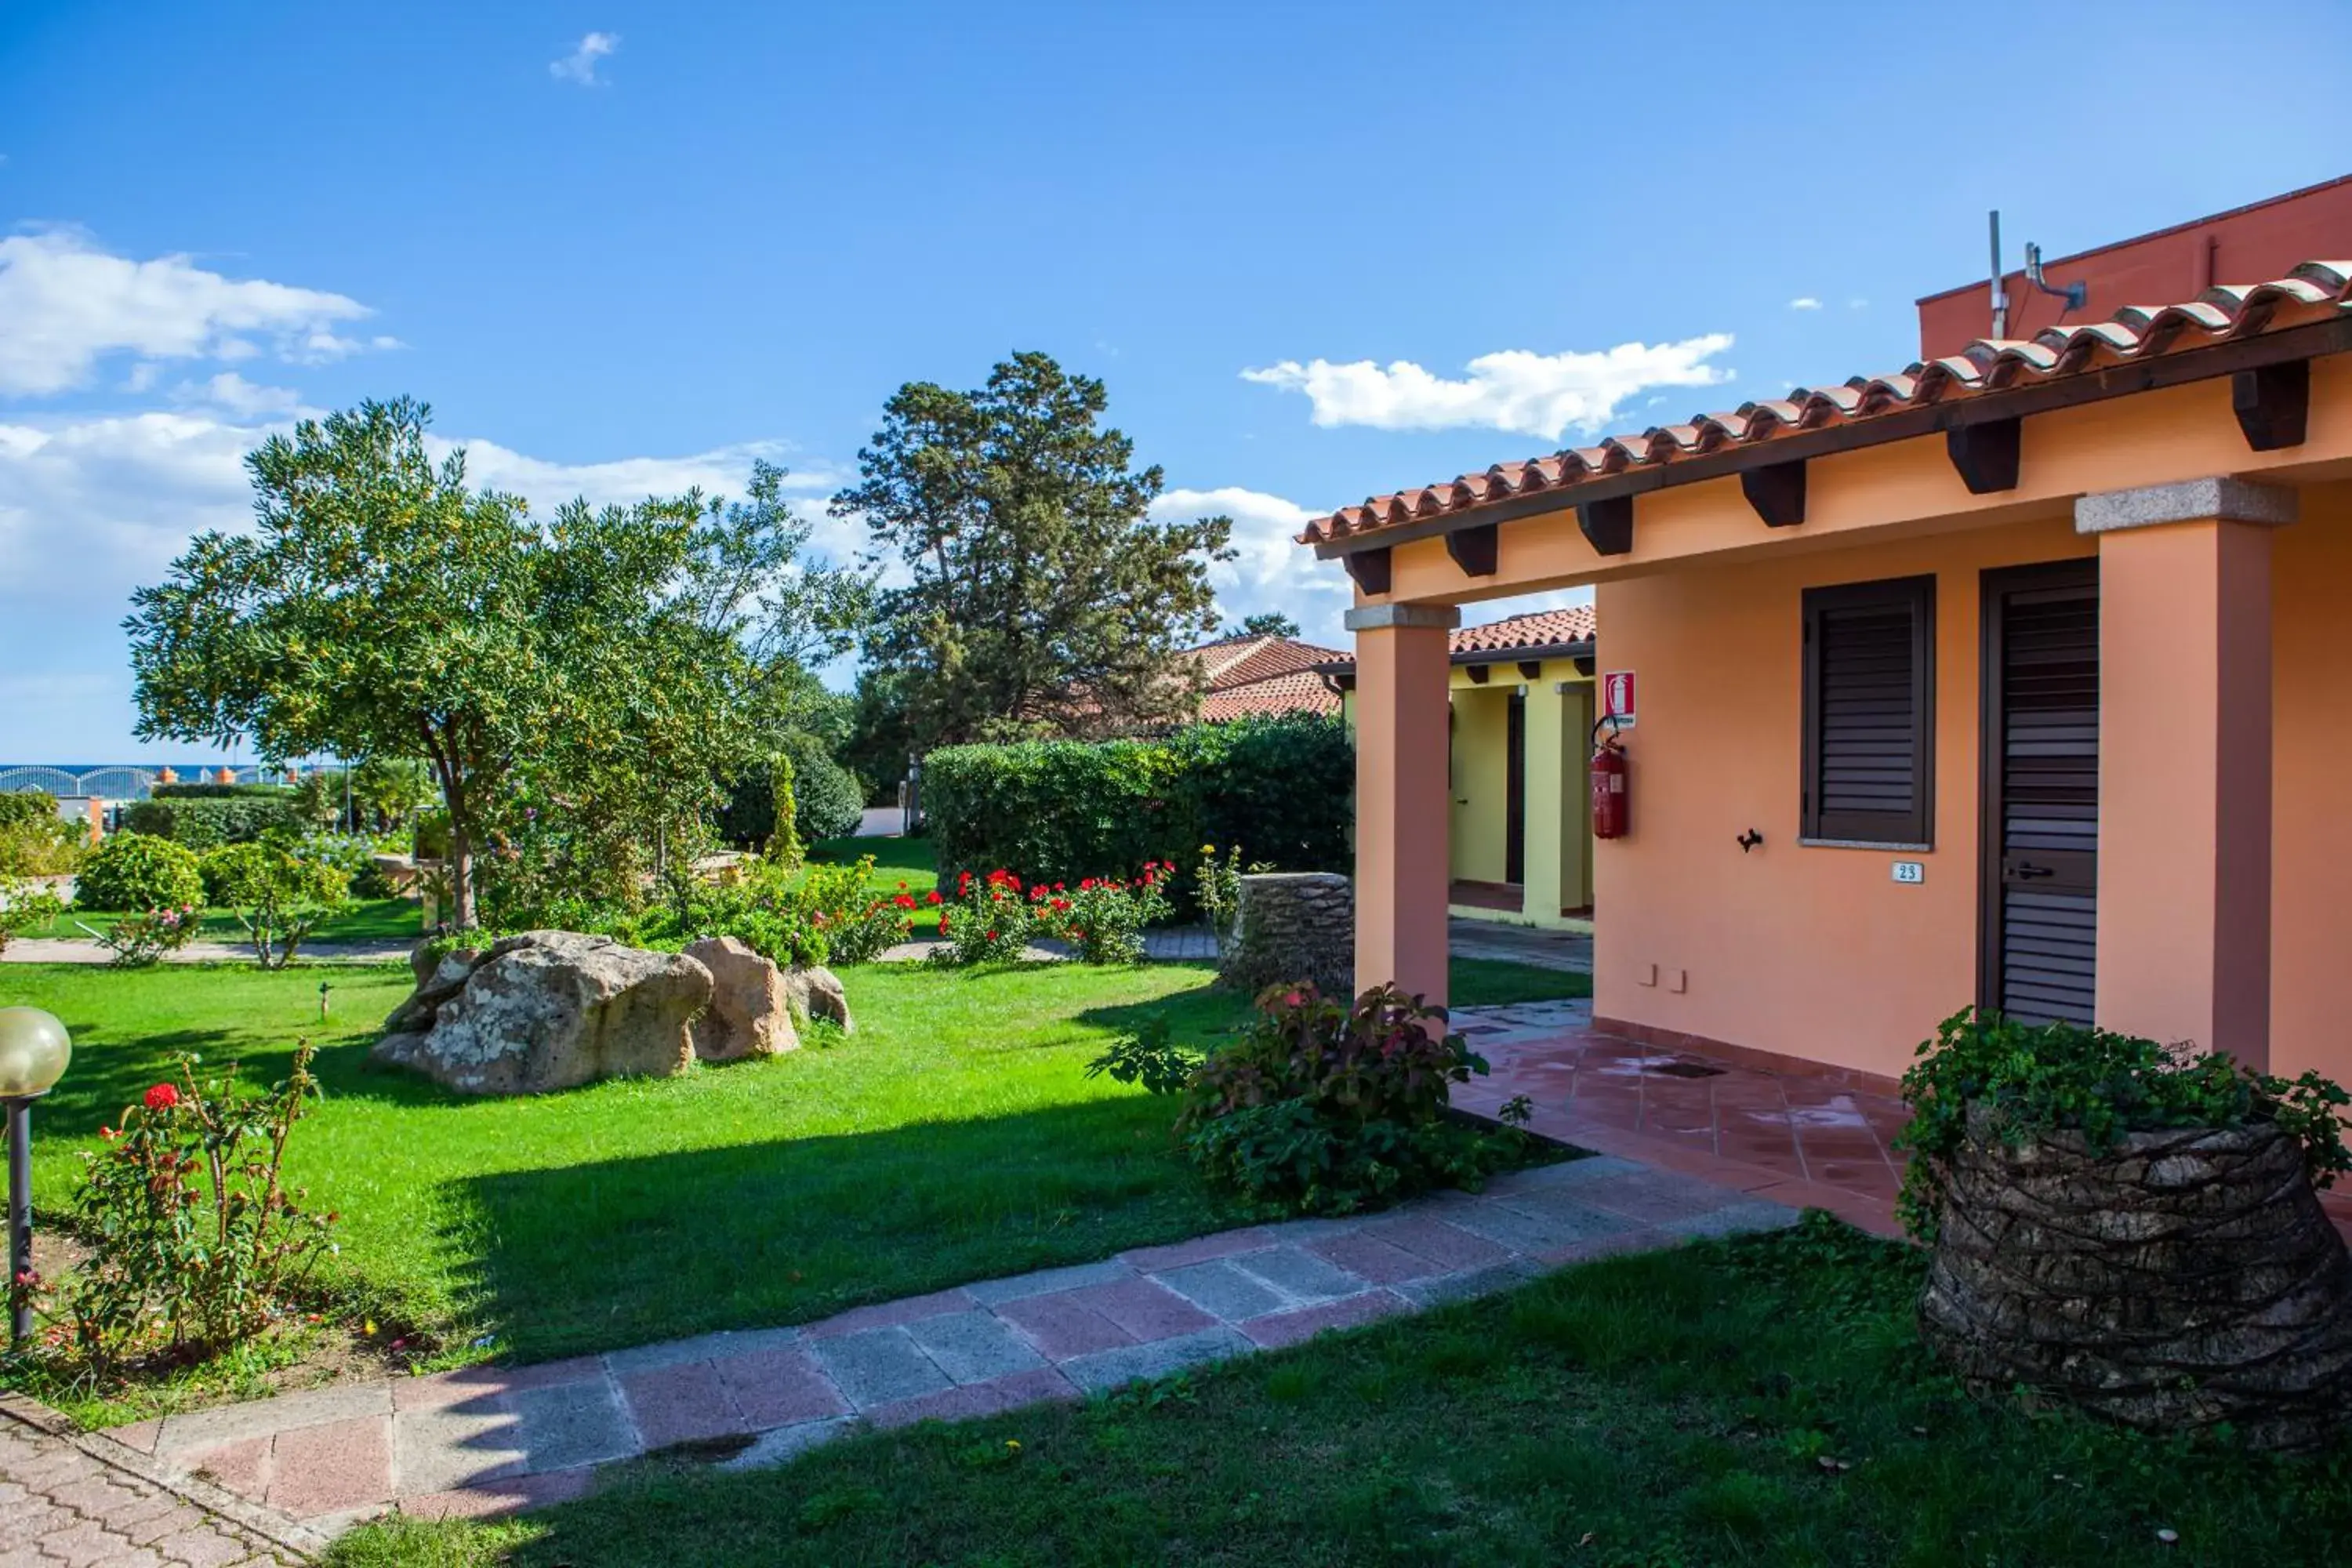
[1292,926]
[548,1010]
[437,980]
[750,1011]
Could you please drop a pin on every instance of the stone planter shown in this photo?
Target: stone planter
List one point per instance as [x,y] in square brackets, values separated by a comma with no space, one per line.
[1292,926]
[2183,1279]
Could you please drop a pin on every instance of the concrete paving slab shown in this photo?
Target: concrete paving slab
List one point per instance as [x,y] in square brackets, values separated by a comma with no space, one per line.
[1111,1369]
[878,1366]
[1045,1281]
[1222,1290]
[571,1424]
[973,1347]
[1300,1275]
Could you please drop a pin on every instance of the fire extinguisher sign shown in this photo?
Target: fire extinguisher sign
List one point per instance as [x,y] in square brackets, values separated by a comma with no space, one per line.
[1617,699]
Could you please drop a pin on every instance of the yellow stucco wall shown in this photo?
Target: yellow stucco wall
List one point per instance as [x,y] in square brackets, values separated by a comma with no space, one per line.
[1481,783]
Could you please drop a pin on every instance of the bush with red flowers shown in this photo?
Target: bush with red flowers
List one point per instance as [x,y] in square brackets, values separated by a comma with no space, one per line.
[1324,1107]
[990,920]
[1103,918]
[197,1243]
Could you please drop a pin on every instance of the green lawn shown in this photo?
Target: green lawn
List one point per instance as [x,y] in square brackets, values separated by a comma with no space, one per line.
[953,1137]
[895,860]
[368,919]
[1762,1403]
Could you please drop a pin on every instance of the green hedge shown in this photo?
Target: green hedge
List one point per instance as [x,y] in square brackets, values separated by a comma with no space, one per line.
[1282,789]
[222,792]
[208,822]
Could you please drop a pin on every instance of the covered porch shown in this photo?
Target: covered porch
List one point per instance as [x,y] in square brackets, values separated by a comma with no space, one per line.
[2014,679]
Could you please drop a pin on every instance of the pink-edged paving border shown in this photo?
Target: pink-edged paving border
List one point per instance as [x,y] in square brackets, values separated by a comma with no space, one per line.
[485,1441]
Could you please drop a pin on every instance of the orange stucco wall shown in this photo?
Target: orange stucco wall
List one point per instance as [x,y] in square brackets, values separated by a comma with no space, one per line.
[2311,813]
[1818,952]
[1807,952]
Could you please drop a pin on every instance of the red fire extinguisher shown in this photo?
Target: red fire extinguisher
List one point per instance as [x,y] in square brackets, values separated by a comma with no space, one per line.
[1612,803]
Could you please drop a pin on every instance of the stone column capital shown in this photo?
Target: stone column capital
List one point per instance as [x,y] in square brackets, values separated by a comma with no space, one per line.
[2220,499]
[1387,617]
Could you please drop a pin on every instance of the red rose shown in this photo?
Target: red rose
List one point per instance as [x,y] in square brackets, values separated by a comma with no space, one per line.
[162,1096]
[932,897]
[992,936]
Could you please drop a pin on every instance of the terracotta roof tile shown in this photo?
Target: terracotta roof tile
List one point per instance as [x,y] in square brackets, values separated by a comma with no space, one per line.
[1300,691]
[1540,628]
[2315,291]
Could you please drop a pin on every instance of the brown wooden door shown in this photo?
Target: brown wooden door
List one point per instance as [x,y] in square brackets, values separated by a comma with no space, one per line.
[2041,822]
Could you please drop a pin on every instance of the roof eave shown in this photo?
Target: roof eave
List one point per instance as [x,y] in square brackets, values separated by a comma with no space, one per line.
[2177,368]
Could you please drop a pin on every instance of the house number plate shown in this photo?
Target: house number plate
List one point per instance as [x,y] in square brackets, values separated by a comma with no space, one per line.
[1910,870]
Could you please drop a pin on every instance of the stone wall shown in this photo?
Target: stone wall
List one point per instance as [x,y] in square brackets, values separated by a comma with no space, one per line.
[1293,925]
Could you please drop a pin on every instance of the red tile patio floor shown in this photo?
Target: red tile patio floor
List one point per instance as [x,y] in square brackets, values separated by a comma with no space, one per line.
[1811,1142]
[1807,1140]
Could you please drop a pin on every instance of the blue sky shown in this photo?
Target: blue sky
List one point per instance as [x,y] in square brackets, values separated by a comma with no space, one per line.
[623,248]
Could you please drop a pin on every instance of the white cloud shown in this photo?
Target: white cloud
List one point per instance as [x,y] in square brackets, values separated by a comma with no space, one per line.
[1857,304]
[1515,390]
[1268,572]
[1804,302]
[65,304]
[239,398]
[579,65]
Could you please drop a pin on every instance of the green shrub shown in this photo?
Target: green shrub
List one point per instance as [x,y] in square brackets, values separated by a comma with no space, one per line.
[34,841]
[1320,1106]
[989,921]
[25,906]
[1103,919]
[2066,1076]
[139,871]
[18,807]
[1281,789]
[206,823]
[279,893]
[827,802]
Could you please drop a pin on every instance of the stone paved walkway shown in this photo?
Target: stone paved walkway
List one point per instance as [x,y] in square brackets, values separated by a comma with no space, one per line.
[61,1503]
[81,950]
[490,1440]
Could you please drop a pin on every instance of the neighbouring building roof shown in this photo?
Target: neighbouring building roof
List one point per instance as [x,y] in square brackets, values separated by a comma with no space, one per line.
[1551,632]
[1262,677]
[2313,292]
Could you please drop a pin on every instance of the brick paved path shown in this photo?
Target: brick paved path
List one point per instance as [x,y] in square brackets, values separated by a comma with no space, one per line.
[61,1504]
[489,1440]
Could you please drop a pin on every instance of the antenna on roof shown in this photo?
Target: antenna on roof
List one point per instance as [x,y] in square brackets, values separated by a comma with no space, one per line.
[2000,296]
[2075,293]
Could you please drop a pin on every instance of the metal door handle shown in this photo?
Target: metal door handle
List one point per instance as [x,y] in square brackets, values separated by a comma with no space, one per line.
[2027,873]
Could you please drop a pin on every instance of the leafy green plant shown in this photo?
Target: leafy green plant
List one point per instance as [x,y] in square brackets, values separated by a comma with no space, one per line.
[2101,1084]
[136,941]
[196,1241]
[784,846]
[139,871]
[1322,1107]
[278,893]
[25,905]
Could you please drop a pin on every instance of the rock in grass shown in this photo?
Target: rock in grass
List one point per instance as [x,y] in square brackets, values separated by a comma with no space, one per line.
[436,983]
[750,1011]
[548,1010]
[816,993]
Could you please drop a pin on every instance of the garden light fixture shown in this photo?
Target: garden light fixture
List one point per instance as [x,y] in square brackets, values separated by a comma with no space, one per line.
[34,1051]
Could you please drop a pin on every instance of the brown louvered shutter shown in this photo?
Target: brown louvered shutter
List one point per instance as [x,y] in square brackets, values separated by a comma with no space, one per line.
[1869,712]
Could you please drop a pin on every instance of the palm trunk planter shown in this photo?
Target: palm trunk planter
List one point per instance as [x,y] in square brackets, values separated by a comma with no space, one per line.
[2171,1277]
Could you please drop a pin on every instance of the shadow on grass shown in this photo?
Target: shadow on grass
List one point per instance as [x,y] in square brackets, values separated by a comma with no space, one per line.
[594,1255]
